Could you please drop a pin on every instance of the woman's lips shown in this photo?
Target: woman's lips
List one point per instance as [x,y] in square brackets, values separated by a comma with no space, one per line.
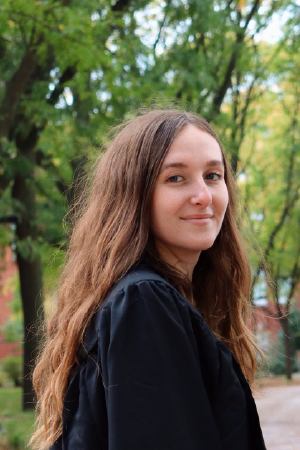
[198,219]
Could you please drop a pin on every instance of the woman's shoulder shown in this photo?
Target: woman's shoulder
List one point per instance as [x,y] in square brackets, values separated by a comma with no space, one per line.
[139,276]
[140,289]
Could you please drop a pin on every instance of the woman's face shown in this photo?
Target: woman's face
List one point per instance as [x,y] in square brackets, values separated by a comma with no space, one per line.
[190,196]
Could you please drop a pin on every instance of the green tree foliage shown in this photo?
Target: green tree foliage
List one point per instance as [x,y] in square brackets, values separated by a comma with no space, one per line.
[270,181]
[58,59]
[69,69]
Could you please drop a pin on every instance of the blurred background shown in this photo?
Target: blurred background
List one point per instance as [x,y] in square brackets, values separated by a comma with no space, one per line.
[71,69]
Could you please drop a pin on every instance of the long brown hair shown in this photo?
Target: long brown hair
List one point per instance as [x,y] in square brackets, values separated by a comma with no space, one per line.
[112,233]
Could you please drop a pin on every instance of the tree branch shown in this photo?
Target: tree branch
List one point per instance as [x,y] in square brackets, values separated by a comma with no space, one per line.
[240,35]
[161,25]
[15,87]
[67,75]
[51,28]
[251,13]
[220,94]
[120,5]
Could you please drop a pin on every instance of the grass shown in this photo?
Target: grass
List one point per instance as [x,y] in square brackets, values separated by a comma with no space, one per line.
[17,426]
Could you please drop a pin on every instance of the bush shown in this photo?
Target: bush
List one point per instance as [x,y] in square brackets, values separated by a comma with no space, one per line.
[276,365]
[17,426]
[276,359]
[12,366]
[297,340]
[3,379]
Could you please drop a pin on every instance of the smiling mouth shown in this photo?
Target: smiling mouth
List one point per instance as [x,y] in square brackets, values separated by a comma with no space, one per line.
[198,220]
[198,217]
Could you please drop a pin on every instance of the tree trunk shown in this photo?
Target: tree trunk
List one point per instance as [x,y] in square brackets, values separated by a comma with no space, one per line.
[31,290]
[30,271]
[287,346]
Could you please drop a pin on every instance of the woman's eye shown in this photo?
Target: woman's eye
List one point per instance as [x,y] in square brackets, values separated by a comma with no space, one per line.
[175,178]
[214,176]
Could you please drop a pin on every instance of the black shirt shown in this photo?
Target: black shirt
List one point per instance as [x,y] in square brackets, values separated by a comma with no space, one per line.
[153,376]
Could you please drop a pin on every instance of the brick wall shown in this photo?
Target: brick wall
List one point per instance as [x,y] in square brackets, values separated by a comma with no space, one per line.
[6,295]
[10,348]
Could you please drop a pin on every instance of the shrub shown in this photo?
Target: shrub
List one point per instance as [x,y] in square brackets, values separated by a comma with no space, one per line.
[3,379]
[15,438]
[276,364]
[297,340]
[12,366]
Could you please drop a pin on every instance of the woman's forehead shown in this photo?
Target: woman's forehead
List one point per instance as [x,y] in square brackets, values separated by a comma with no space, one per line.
[192,144]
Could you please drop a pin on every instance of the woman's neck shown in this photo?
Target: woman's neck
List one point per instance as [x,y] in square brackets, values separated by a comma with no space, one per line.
[184,263]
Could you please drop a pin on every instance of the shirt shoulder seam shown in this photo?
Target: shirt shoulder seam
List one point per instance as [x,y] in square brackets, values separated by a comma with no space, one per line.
[136,283]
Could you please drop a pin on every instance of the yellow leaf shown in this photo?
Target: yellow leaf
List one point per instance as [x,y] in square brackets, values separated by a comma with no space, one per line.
[61,26]
[56,161]
[11,23]
[242,3]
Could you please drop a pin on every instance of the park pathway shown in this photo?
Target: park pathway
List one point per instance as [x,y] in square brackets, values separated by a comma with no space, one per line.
[279,412]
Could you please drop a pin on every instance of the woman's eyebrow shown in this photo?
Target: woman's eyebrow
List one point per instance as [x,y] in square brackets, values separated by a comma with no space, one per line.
[173,164]
[215,162]
[211,163]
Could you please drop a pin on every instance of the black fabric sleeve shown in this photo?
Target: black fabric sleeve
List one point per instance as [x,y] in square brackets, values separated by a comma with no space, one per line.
[155,396]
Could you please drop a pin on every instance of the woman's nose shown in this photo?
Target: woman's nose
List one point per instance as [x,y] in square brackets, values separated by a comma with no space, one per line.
[201,195]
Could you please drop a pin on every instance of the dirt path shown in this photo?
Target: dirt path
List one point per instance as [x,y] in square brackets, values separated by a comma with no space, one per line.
[279,412]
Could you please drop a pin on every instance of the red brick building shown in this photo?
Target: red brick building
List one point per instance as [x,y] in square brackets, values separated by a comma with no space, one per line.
[266,324]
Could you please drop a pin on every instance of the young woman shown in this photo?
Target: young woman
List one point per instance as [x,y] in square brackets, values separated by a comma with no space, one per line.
[148,348]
